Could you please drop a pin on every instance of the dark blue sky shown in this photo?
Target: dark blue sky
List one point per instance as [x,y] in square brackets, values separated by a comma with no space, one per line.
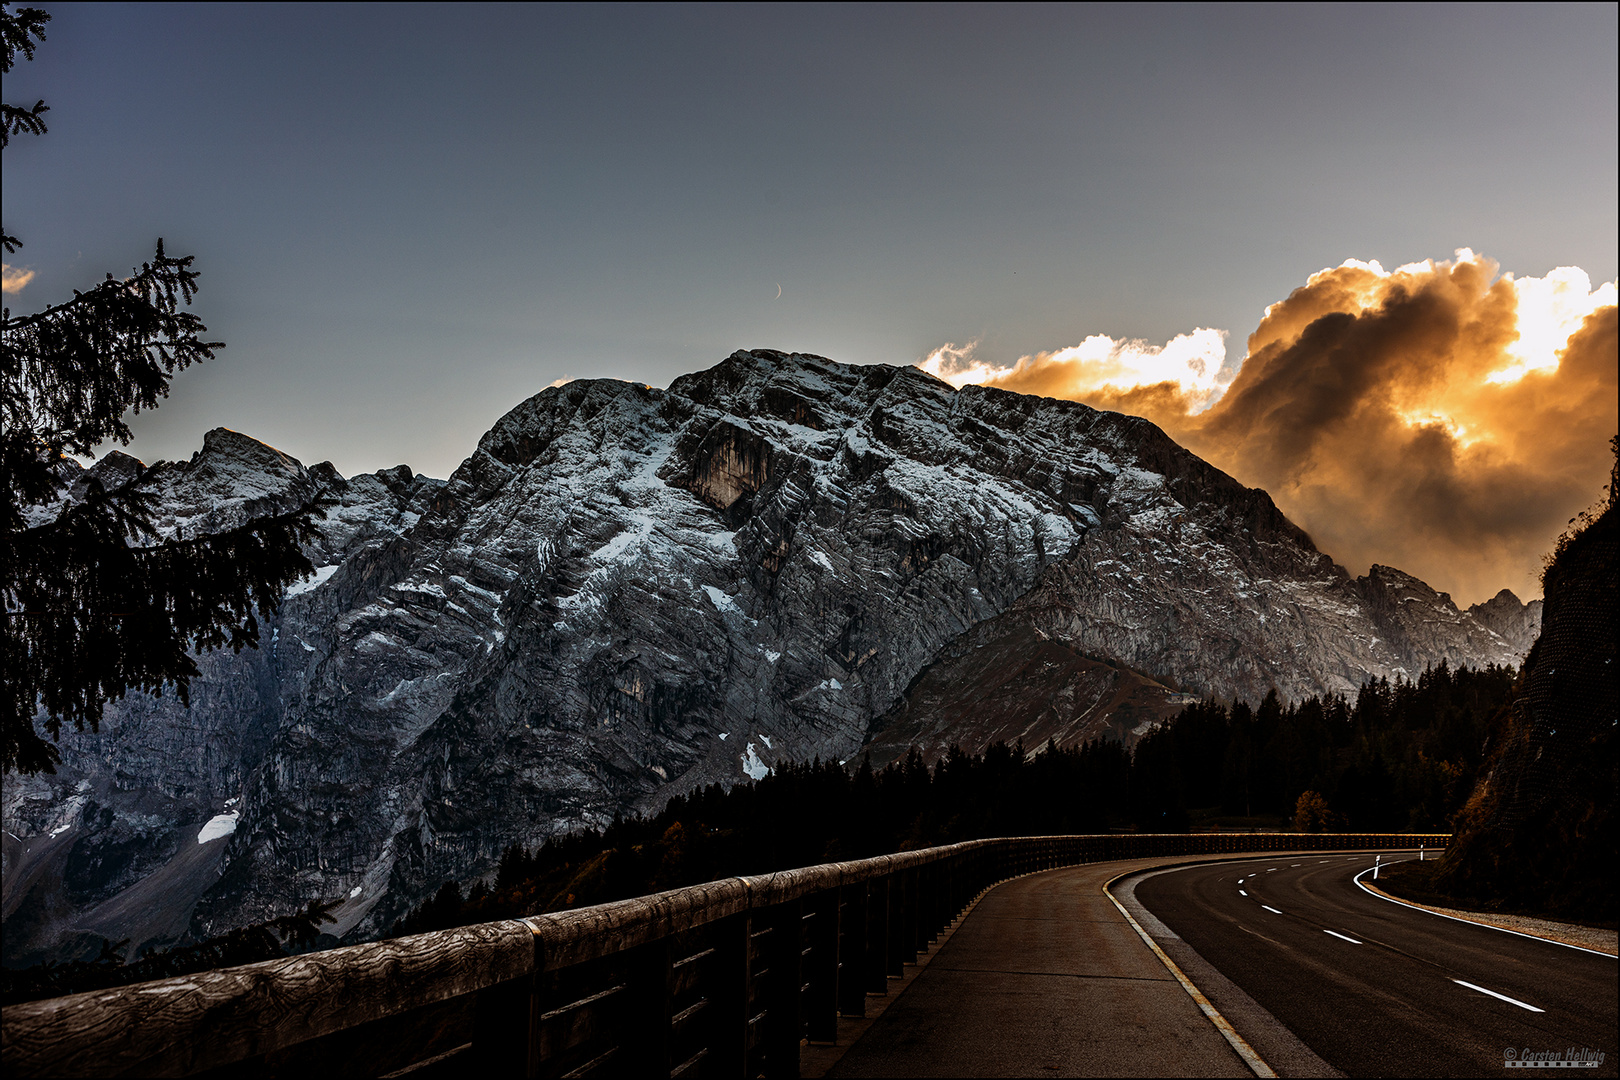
[409,219]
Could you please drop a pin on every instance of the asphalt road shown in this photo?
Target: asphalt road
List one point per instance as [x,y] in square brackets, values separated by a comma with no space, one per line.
[1044,977]
[1321,976]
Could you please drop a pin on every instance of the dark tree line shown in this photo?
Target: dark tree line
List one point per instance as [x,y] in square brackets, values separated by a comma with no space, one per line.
[1403,755]
[799,816]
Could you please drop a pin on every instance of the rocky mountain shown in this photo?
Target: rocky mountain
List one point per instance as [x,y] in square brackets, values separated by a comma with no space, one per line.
[625,592]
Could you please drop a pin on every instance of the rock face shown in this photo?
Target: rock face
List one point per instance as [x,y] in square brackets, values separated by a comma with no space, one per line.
[625,592]
[108,848]
[1538,833]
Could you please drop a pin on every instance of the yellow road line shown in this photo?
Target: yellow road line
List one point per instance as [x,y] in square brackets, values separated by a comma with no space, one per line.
[1253,1060]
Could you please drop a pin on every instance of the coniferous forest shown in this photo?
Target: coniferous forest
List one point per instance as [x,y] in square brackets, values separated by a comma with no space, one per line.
[1401,756]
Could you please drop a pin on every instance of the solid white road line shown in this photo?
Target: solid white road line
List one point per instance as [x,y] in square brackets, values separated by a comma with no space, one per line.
[1271,909]
[1342,937]
[1494,994]
[1473,922]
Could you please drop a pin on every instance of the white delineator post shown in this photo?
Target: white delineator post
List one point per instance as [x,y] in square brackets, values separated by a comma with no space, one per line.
[1377,859]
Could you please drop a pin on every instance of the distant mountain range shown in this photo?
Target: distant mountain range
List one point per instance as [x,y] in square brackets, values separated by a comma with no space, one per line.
[626,592]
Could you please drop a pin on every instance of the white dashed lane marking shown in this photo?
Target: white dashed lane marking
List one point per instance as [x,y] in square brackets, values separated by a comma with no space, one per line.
[1499,997]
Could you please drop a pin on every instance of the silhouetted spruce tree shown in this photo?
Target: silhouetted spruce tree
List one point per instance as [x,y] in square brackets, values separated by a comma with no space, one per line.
[94,606]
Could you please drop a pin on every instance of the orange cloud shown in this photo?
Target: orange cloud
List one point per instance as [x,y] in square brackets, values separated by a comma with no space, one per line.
[1193,363]
[1437,417]
[13,279]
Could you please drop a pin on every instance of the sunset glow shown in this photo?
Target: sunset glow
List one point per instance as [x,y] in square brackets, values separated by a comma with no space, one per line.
[1443,416]
[1550,310]
[1193,363]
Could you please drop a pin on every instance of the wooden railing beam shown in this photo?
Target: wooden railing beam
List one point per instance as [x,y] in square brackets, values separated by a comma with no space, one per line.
[556,992]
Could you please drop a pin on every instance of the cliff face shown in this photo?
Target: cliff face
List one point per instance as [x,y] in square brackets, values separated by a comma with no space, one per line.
[626,592]
[1539,831]
[108,847]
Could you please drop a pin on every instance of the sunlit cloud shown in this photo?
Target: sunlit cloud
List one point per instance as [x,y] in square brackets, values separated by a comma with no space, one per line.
[957,366]
[1193,364]
[1551,309]
[15,278]
[1442,417]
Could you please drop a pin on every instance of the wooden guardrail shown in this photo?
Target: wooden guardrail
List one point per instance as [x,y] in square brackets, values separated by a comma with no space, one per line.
[723,979]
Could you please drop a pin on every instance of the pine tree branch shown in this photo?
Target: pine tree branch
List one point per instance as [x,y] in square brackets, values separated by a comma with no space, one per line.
[70,373]
[95,618]
[15,120]
[149,275]
[16,30]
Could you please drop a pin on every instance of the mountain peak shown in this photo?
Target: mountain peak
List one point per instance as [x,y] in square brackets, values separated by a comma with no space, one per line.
[626,592]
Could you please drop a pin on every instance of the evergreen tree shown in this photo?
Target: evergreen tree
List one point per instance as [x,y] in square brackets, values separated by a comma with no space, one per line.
[95,605]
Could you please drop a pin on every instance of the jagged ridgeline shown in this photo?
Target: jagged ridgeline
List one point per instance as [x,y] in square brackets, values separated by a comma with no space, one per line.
[628,593]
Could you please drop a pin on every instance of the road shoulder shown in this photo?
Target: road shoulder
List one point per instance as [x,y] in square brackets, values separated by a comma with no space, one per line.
[1277,1046]
[1045,977]
[1581,937]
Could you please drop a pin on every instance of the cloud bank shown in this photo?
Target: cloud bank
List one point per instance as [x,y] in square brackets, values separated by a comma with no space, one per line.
[1440,417]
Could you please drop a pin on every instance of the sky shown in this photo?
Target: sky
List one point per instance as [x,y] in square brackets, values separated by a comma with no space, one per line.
[410,219]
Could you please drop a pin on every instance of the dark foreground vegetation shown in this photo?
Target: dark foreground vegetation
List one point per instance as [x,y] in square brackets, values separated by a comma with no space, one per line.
[1419,882]
[1538,833]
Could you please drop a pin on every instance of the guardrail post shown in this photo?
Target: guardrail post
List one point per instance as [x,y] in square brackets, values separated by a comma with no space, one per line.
[879,904]
[733,966]
[821,1000]
[852,951]
[924,931]
[784,990]
[647,1050]
[939,898]
[503,1029]
[903,922]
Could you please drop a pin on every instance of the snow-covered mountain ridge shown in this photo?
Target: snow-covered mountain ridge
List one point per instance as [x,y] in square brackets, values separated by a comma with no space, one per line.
[625,592]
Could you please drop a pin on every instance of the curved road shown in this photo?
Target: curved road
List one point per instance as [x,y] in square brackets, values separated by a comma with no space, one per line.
[1046,977]
[1294,952]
